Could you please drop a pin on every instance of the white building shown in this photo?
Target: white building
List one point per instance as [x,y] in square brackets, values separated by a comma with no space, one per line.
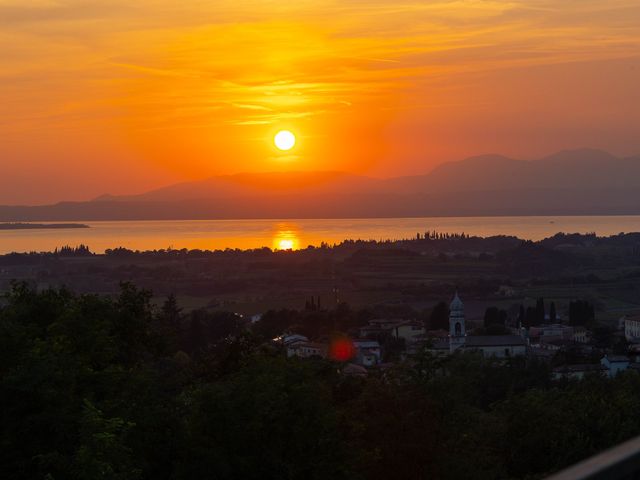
[580,335]
[368,352]
[578,372]
[632,328]
[500,346]
[308,349]
[457,332]
[615,363]
[411,331]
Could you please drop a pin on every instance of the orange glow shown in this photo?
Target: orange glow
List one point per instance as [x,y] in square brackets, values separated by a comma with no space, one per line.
[168,93]
[286,238]
[285,244]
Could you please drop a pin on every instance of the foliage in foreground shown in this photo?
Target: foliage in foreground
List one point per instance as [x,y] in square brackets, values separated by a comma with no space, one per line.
[93,387]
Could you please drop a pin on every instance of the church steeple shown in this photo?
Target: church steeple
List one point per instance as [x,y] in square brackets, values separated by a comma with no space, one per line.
[457,331]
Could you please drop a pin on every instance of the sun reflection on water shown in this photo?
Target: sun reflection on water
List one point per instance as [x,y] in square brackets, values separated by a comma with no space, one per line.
[286,238]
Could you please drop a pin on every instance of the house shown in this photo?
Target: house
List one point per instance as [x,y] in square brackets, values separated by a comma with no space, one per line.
[499,346]
[290,343]
[291,339]
[550,332]
[615,363]
[632,328]
[578,372]
[368,352]
[385,323]
[506,291]
[353,370]
[308,349]
[370,331]
[556,344]
[410,331]
[557,334]
[580,335]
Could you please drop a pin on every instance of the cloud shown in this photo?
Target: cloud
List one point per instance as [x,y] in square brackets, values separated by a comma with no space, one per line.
[152,58]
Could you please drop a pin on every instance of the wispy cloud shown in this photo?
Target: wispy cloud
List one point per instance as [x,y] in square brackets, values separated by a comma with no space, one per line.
[160,65]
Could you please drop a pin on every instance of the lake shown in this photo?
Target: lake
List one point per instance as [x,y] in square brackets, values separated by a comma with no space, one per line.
[285,234]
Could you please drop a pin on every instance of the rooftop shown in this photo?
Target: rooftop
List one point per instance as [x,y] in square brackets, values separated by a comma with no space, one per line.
[617,358]
[582,367]
[494,340]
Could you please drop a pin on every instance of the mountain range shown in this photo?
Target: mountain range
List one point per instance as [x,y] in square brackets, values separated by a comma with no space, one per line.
[571,182]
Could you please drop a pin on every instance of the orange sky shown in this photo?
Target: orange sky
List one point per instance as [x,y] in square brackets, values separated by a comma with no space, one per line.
[124,96]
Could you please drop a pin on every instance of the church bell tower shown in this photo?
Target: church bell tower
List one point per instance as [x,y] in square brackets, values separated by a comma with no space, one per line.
[457,332]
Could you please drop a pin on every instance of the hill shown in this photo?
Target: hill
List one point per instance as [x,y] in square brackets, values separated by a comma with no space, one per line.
[572,182]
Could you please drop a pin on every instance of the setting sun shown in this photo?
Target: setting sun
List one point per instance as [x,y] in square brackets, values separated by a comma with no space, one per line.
[284,140]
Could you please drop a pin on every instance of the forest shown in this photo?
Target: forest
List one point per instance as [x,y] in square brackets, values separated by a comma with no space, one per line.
[113,387]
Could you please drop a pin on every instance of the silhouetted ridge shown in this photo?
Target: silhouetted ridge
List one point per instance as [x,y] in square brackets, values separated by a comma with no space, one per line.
[571,182]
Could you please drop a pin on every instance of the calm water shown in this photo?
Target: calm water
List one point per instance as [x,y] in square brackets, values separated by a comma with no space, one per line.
[220,234]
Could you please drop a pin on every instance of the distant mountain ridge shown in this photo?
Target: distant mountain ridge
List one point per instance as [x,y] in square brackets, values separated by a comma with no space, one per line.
[251,184]
[572,169]
[571,182]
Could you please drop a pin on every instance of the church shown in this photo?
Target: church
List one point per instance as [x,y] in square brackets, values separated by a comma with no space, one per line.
[499,346]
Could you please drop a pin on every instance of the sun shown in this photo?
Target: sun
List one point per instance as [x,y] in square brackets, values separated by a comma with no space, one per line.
[286,244]
[284,140]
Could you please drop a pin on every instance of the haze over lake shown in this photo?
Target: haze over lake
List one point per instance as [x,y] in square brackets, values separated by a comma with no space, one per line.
[285,234]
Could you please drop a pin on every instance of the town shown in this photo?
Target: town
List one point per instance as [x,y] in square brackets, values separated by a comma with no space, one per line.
[569,347]
[570,301]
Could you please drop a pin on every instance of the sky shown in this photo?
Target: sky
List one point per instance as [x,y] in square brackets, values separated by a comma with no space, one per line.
[120,97]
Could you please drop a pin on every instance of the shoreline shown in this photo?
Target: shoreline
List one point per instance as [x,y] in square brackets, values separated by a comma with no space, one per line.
[37,226]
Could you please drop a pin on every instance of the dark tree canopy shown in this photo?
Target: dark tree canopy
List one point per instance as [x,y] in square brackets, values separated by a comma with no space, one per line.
[581,313]
[552,313]
[91,389]
[439,318]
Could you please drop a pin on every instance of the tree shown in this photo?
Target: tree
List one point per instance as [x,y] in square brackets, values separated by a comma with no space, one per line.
[552,313]
[521,316]
[540,314]
[103,453]
[169,323]
[530,317]
[581,312]
[439,318]
[171,312]
[272,419]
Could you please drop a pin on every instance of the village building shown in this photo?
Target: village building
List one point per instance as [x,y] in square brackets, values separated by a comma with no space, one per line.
[353,370]
[578,372]
[410,331]
[500,346]
[615,364]
[308,349]
[367,352]
[632,328]
[556,336]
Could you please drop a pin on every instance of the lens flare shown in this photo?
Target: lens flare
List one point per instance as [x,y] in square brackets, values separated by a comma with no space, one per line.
[342,349]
